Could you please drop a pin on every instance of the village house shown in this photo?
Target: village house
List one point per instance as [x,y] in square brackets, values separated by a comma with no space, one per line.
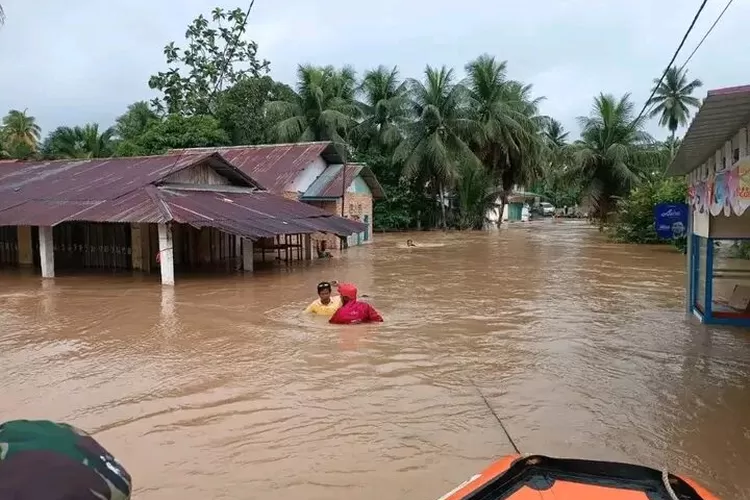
[311,172]
[143,213]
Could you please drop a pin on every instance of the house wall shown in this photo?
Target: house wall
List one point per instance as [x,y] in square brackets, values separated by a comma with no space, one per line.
[724,157]
[199,174]
[308,175]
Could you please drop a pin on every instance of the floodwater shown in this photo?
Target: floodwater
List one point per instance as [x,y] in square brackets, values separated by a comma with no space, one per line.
[221,389]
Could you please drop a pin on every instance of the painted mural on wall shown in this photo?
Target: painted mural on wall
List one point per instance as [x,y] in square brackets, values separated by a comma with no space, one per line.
[726,192]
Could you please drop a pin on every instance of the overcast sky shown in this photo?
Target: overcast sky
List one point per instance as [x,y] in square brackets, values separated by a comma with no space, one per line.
[76,61]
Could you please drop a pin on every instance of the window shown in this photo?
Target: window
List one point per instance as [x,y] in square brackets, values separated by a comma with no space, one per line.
[736,155]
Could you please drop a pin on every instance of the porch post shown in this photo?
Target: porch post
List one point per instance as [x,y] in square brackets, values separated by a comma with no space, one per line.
[308,247]
[166,255]
[25,246]
[46,252]
[247,255]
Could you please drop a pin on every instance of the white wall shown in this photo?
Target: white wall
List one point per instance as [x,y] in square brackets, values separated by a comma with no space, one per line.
[701,223]
[308,176]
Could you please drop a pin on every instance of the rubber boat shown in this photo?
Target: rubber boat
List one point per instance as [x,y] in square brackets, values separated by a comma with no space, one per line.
[536,477]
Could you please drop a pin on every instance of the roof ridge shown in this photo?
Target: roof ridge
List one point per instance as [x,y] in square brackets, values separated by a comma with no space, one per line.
[250,146]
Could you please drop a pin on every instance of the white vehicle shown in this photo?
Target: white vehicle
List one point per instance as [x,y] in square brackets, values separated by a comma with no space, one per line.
[547,208]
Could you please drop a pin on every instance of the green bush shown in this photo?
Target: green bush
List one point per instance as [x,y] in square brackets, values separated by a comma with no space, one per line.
[634,217]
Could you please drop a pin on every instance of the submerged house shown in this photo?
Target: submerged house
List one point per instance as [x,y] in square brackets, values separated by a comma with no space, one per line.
[311,172]
[143,213]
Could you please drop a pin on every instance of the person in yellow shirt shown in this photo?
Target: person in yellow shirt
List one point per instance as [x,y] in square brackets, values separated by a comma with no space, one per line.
[325,305]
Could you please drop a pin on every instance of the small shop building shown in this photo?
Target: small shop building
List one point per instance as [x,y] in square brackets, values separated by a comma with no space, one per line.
[714,158]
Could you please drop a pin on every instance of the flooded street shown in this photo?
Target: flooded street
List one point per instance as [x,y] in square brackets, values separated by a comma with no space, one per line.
[221,389]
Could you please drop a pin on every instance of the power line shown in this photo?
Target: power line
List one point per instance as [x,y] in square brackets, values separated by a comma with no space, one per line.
[706,35]
[671,62]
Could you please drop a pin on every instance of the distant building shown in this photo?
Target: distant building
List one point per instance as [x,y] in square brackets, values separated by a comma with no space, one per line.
[714,158]
[144,213]
[311,172]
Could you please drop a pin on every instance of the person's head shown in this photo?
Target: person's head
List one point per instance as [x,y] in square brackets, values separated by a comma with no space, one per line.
[324,292]
[348,292]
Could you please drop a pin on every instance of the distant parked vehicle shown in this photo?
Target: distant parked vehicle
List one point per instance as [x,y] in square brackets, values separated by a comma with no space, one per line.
[547,208]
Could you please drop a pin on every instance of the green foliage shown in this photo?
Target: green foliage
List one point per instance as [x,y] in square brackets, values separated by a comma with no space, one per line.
[321,109]
[476,196]
[19,135]
[177,132]
[79,142]
[216,53]
[241,109]
[635,213]
[134,122]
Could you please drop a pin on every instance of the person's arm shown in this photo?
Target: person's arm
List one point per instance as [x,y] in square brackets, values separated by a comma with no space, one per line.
[373,316]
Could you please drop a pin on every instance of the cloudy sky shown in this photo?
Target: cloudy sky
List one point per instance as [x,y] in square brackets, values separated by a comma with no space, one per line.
[77,61]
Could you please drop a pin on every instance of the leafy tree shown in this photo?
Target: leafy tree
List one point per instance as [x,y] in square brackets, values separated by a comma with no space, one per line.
[241,109]
[176,132]
[476,195]
[612,154]
[20,134]
[673,99]
[384,107]
[510,144]
[321,109]
[215,54]
[436,142]
[79,142]
[135,121]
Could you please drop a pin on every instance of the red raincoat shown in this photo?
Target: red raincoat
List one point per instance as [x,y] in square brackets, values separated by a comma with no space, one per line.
[354,311]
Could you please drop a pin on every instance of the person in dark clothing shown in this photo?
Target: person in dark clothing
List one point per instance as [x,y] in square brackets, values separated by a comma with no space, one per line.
[44,460]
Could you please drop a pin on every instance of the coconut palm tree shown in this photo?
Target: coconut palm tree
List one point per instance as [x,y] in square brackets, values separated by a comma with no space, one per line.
[510,145]
[613,151]
[321,109]
[20,133]
[436,143]
[673,99]
[80,142]
[384,108]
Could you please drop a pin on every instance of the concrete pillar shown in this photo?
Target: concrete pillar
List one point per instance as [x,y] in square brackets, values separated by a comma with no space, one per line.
[247,255]
[728,153]
[166,255]
[46,252]
[25,246]
[136,245]
[308,247]
[743,142]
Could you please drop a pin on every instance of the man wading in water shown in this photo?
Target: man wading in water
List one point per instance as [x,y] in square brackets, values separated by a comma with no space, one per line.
[325,305]
[354,311]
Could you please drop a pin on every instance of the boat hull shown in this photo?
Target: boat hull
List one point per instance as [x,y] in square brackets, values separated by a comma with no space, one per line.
[538,477]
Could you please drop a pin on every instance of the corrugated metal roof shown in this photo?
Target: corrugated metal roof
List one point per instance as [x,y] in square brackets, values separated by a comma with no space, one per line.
[274,166]
[329,184]
[723,113]
[124,190]
[252,214]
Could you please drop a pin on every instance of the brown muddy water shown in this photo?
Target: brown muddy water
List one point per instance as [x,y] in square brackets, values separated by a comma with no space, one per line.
[221,389]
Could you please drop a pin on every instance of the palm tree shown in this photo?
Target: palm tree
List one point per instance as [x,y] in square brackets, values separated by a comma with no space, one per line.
[80,142]
[20,129]
[477,196]
[436,145]
[321,109]
[510,144]
[613,151]
[673,99]
[384,108]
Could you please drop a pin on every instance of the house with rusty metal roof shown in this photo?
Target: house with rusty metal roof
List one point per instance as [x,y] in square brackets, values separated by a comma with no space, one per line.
[312,172]
[143,213]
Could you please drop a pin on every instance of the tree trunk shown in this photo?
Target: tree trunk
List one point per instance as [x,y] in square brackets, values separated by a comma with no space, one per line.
[503,202]
[441,194]
[671,145]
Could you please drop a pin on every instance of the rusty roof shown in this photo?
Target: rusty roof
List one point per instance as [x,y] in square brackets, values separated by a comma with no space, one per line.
[253,214]
[274,166]
[330,184]
[127,190]
[723,113]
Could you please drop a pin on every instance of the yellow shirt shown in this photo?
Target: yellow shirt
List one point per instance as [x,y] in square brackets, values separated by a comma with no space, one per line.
[317,307]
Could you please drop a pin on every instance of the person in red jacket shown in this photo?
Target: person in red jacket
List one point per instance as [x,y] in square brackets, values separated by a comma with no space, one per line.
[353,311]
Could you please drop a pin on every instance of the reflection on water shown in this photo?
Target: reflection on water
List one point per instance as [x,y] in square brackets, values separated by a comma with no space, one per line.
[221,389]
